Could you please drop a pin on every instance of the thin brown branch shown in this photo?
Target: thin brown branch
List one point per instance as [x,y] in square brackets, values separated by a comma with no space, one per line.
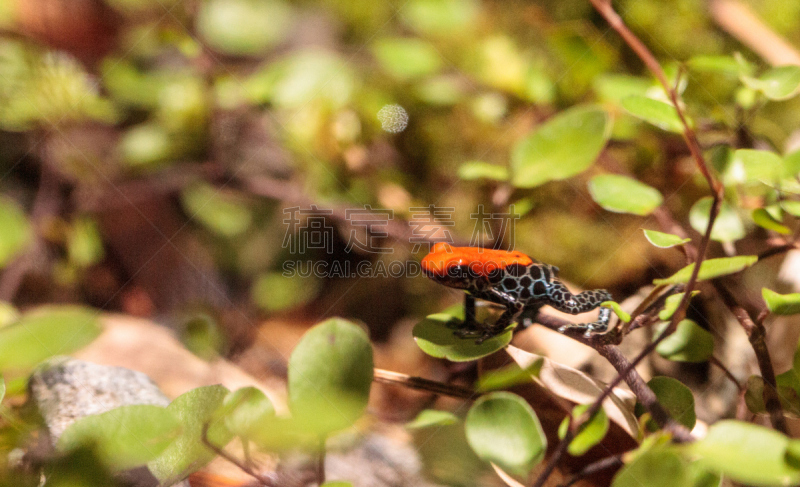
[715,361]
[389,377]
[262,479]
[615,21]
[776,250]
[593,468]
[757,334]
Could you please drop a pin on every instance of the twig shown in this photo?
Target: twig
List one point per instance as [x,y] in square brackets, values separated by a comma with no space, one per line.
[757,334]
[262,479]
[715,361]
[389,377]
[321,461]
[593,468]
[776,250]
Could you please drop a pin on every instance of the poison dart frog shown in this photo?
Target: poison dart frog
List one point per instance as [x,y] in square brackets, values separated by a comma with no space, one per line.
[511,279]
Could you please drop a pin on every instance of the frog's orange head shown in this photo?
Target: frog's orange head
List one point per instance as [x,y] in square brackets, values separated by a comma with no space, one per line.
[458,266]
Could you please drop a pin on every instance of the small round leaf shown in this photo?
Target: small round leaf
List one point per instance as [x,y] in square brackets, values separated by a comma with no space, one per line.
[622,194]
[779,83]
[656,467]
[330,374]
[592,433]
[664,240]
[245,410]
[728,226]
[503,429]
[125,437]
[655,112]
[711,269]
[763,219]
[562,147]
[44,332]
[435,336]
[689,343]
[676,398]
[746,453]
[781,304]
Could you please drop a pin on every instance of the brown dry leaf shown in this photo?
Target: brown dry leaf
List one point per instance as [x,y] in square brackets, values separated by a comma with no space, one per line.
[576,387]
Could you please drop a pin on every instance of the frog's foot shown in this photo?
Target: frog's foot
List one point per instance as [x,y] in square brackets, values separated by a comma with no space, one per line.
[464,325]
[469,332]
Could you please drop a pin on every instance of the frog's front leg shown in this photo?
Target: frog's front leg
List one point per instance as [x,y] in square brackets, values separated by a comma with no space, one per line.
[560,298]
[470,325]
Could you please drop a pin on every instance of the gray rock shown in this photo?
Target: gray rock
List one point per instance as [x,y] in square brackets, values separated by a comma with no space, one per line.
[66,389]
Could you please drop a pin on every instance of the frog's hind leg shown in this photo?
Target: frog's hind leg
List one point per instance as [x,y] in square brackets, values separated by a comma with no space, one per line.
[562,299]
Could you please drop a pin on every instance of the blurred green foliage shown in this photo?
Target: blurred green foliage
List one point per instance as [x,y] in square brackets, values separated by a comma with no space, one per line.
[208,119]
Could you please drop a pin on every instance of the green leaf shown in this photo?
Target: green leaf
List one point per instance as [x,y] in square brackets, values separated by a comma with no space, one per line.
[763,219]
[432,417]
[407,58]
[728,226]
[509,376]
[753,166]
[746,453]
[671,305]
[16,231]
[592,433]
[2,388]
[710,269]
[675,397]
[617,309]
[654,112]
[188,453]
[689,343]
[275,292]
[791,207]
[434,335]
[219,211]
[337,483]
[125,437]
[302,78]
[788,391]
[562,147]
[441,17]
[781,304]
[657,467]
[472,170]
[622,194]
[330,374]
[246,410]
[146,145]
[503,429]
[726,65]
[616,87]
[84,243]
[664,240]
[779,83]
[44,332]
[237,26]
